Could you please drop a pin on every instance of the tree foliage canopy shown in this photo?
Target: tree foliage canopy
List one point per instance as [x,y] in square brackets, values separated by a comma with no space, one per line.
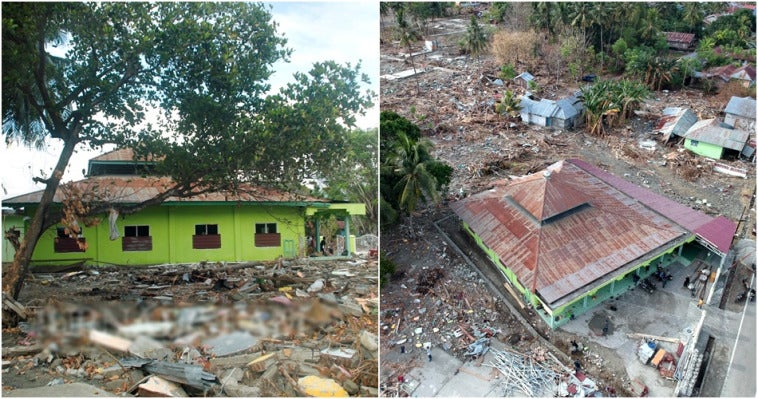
[408,171]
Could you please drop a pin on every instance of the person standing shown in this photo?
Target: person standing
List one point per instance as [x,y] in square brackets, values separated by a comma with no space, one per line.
[429,353]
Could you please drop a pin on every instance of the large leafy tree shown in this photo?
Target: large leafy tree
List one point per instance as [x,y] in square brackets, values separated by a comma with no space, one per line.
[356,177]
[205,66]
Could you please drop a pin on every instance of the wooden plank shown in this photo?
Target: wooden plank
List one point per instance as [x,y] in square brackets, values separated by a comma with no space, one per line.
[109,341]
[15,306]
[513,294]
[655,337]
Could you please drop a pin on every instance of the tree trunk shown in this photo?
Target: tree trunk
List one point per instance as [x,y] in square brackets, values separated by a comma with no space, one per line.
[13,278]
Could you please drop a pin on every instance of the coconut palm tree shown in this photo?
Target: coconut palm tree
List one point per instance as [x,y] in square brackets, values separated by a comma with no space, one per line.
[410,159]
[476,39]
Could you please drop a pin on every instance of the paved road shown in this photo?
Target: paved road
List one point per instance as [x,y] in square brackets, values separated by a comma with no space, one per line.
[740,378]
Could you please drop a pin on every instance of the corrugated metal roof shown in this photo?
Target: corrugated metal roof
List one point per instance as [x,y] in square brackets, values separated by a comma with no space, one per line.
[572,245]
[135,189]
[741,106]
[675,120]
[545,108]
[117,155]
[680,37]
[712,132]
[684,216]
[746,72]
[563,108]
[525,75]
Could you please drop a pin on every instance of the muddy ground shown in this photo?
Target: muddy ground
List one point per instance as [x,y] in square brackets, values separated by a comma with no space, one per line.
[451,101]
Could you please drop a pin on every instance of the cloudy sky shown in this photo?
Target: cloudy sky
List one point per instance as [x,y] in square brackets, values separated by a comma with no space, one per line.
[315,31]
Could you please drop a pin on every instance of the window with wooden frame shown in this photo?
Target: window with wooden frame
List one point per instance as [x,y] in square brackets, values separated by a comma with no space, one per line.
[137,238]
[266,235]
[65,243]
[206,237]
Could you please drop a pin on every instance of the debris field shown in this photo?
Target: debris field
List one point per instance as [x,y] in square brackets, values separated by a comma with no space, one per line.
[303,327]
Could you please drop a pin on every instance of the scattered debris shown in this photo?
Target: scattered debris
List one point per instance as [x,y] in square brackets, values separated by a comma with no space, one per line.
[169,330]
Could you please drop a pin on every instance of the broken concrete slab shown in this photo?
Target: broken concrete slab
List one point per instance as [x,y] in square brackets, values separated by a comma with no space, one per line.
[75,390]
[230,344]
[157,386]
[350,307]
[146,347]
[369,341]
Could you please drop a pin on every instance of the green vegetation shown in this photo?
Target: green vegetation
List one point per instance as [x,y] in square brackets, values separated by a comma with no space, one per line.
[386,269]
[408,172]
[630,37]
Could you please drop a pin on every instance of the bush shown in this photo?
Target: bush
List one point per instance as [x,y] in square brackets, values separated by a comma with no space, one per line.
[386,269]
[507,72]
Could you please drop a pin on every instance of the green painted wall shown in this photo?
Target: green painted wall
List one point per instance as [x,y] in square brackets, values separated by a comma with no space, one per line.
[611,287]
[172,228]
[704,149]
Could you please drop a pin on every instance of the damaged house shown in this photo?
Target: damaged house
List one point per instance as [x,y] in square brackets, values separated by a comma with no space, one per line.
[565,113]
[675,121]
[740,113]
[711,138]
[255,225]
[680,40]
[572,236]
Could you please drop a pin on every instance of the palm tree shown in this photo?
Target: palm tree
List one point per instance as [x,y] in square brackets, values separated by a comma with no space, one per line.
[693,16]
[649,29]
[509,105]
[581,17]
[410,159]
[476,40]
[600,16]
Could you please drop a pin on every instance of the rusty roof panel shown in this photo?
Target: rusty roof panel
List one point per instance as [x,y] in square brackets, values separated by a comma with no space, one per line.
[134,189]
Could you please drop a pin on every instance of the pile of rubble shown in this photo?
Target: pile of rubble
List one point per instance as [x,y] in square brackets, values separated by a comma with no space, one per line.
[285,328]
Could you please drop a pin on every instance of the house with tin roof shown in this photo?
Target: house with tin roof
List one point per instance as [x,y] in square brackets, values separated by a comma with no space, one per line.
[675,121]
[680,40]
[253,224]
[711,138]
[565,113]
[740,113]
[574,235]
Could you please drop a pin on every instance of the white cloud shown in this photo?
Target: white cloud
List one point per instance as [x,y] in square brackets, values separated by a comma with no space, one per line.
[316,31]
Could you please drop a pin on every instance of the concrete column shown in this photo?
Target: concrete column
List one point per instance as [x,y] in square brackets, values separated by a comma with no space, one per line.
[347,235]
[613,286]
[680,250]
[317,238]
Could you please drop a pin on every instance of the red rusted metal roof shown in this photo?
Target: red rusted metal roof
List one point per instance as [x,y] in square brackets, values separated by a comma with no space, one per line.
[680,37]
[555,250]
[684,216]
[118,155]
[135,189]
[568,229]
